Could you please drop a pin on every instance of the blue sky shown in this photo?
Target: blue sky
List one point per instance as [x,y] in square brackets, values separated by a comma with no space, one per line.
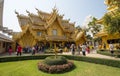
[76,10]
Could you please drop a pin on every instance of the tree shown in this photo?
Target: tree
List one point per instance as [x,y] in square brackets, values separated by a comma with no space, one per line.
[113,2]
[112,23]
[78,28]
[93,26]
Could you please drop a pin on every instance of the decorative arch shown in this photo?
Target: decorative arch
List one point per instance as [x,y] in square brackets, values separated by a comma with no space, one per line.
[27,38]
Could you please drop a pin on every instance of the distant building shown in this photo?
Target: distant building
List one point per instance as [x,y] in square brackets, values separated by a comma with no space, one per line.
[5,40]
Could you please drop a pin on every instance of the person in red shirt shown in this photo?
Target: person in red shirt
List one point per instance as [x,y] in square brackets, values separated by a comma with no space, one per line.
[88,49]
[10,50]
[19,50]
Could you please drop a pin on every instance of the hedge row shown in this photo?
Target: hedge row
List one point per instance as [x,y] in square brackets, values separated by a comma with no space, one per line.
[108,62]
[19,58]
[106,52]
[114,63]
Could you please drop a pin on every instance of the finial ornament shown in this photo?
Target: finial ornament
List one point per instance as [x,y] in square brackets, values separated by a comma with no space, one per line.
[55,9]
[27,11]
[16,12]
[36,9]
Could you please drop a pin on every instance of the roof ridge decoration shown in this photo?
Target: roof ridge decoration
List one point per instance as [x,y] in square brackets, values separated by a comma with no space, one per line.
[31,14]
[40,14]
[20,15]
[53,16]
[35,18]
[16,12]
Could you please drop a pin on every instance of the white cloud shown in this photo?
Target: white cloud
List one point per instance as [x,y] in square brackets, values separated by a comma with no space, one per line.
[86,21]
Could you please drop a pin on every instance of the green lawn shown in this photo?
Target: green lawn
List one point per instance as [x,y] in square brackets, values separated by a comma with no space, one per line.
[29,68]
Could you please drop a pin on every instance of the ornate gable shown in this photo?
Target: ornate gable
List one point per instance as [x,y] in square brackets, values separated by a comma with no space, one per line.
[23,20]
[43,15]
[35,19]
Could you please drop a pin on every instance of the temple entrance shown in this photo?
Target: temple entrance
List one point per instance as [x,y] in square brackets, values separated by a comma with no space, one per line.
[27,40]
[113,41]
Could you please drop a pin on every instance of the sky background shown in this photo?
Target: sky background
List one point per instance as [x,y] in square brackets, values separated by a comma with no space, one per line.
[76,10]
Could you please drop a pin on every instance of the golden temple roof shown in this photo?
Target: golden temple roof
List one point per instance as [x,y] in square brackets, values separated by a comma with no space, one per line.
[44,19]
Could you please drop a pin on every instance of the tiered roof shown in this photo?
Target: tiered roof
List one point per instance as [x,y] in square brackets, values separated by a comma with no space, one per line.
[44,20]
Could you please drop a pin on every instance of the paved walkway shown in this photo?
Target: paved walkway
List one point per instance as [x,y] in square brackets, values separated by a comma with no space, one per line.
[93,54]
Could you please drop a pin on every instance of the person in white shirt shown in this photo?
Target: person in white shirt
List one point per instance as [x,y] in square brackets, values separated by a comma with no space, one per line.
[83,49]
[111,47]
[73,49]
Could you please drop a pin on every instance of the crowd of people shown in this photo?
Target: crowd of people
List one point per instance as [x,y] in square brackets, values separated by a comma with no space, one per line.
[40,49]
[79,49]
[84,48]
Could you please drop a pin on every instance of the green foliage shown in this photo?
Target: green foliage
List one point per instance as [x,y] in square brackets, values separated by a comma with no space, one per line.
[89,37]
[107,52]
[114,2]
[104,52]
[19,58]
[55,61]
[108,62]
[112,23]
[93,26]
[79,28]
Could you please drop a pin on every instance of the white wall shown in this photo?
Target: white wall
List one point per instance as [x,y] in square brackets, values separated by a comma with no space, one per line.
[1,12]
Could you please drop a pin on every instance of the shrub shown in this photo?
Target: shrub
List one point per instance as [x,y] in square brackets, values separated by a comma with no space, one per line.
[55,68]
[51,60]
[107,52]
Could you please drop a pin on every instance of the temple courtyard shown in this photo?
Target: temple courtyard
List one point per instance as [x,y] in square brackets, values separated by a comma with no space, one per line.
[29,68]
[51,44]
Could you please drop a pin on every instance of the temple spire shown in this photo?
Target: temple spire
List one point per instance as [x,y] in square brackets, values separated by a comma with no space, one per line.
[55,9]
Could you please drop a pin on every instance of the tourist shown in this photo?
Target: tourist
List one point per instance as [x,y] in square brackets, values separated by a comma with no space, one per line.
[19,50]
[39,49]
[73,49]
[33,50]
[83,49]
[111,47]
[88,49]
[10,50]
